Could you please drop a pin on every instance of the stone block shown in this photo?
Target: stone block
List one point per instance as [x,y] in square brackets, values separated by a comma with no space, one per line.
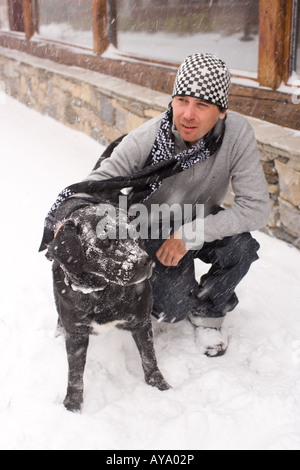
[70,115]
[273,189]
[289,182]
[107,111]
[151,113]
[274,219]
[133,122]
[290,217]
[82,91]
[120,119]
[270,172]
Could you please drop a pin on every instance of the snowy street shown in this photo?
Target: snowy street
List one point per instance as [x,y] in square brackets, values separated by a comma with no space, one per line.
[248,399]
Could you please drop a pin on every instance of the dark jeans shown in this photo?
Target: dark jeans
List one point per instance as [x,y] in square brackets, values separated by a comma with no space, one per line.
[176,292]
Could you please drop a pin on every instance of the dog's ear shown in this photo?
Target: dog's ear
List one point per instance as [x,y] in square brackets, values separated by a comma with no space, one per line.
[67,250]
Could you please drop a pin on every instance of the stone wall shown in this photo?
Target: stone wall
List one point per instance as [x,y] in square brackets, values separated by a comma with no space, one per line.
[105,107]
[101,106]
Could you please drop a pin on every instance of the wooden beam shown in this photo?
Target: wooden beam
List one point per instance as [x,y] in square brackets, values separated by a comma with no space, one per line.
[276,22]
[100,26]
[271,42]
[28,18]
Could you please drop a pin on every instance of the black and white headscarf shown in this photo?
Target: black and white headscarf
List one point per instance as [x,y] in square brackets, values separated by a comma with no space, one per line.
[161,164]
[206,77]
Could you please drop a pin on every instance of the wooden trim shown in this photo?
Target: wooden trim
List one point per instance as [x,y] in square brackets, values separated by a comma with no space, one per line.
[275,40]
[28,18]
[271,27]
[100,26]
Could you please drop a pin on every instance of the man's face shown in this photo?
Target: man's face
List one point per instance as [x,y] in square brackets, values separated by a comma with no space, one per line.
[194,118]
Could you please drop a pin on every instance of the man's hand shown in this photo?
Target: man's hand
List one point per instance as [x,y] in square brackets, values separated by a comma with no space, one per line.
[172,251]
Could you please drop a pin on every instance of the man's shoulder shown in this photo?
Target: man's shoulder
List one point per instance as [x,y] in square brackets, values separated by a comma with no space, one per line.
[237,121]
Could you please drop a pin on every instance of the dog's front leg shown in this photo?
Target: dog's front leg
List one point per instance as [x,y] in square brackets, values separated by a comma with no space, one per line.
[77,346]
[143,337]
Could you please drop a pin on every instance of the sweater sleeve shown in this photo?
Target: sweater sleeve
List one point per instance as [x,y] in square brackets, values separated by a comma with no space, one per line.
[251,208]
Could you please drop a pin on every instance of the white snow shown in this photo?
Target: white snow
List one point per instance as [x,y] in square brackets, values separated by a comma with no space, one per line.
[247,399]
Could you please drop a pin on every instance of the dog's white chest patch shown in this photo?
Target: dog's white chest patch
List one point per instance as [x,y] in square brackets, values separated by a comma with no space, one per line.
[97,329]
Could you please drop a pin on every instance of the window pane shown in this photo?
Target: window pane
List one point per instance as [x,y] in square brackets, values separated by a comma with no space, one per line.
[69,21]
[4,23]
[170,30]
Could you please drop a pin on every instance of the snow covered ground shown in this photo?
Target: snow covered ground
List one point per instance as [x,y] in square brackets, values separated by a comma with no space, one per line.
[248,399]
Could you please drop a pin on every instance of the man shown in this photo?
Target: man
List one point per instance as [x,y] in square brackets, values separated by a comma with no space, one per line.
[212,147]
[199,105]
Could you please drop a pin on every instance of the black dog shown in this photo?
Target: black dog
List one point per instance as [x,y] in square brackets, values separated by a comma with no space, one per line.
[99,281]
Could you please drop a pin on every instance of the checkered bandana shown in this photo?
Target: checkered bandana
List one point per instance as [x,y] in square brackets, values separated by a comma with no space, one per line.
[206,77]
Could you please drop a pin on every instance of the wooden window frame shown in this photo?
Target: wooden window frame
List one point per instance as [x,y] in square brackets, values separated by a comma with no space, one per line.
[275,41]
[262,100]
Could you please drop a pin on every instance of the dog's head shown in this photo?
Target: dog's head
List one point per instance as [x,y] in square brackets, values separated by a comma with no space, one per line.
[92,260]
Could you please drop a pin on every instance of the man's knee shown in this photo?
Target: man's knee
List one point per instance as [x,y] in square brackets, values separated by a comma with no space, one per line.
[239,248]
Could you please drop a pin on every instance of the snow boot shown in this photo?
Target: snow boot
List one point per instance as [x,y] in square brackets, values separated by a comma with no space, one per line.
[213,342]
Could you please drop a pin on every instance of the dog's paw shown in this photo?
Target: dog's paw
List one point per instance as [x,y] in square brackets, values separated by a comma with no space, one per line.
[157,380]
[73,402]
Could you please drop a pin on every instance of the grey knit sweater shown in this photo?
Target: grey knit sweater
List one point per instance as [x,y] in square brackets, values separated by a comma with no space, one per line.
[206,182]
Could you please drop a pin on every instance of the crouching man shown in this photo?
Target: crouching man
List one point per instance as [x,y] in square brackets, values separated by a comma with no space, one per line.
[212,146]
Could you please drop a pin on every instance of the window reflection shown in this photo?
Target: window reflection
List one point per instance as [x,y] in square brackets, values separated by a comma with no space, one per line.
[172,29]
[68,21]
